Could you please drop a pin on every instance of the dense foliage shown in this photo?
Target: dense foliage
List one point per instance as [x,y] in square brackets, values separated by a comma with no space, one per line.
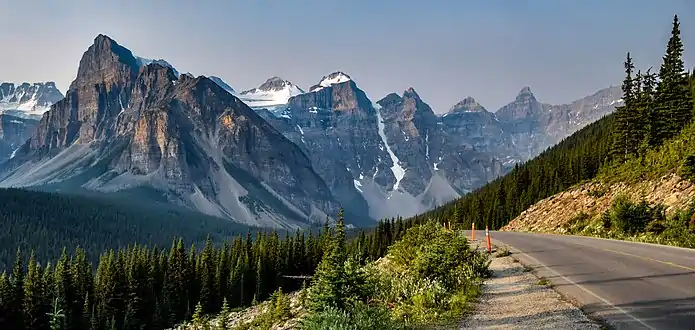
[641,135]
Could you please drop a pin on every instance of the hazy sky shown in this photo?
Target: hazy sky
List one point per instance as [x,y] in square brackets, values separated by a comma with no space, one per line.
[446,50]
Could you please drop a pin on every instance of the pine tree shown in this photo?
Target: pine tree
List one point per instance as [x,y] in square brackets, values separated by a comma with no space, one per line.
[327,286]
[206,274]
[34,307]
[645,106]
[15,316]
[224,316]
[198,315]
[6,299]
[674,102]
[281,305]
[625,115]
[57,316]
[62,289]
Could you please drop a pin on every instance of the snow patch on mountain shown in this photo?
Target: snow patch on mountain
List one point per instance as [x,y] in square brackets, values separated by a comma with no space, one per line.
[398,171]
[330,80]
[274,92]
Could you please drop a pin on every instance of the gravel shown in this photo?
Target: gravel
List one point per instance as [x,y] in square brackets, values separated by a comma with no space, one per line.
[514,298]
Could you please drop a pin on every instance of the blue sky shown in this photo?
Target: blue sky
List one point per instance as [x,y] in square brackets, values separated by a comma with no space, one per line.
[446,50]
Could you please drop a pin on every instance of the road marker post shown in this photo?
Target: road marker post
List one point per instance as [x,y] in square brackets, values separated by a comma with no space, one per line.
[487,237]
[473,232]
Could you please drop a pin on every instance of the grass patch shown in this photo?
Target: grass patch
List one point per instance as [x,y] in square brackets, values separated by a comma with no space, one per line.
[543,282]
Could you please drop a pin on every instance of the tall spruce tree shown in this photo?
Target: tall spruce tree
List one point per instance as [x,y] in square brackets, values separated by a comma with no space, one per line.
[327,286]
[624,116]
[674,103]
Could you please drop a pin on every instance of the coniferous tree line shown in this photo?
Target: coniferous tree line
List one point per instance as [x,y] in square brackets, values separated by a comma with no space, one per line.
[656,107]
[142,287]
[48,222]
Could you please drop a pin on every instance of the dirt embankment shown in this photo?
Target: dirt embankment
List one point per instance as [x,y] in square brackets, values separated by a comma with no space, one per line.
[551,214]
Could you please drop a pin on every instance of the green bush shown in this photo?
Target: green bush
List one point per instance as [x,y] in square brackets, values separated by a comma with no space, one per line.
[431,275]
[578,223]
[629,217]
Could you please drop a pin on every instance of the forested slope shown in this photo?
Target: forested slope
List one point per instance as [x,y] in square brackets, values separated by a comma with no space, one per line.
[47,222]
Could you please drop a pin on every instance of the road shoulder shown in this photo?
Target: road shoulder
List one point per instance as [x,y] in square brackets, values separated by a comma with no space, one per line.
[514,298]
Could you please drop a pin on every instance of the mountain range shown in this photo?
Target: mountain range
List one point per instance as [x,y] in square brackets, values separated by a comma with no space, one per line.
[276,155]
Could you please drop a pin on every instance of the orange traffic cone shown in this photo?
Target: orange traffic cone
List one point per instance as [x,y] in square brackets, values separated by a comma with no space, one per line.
[487,237]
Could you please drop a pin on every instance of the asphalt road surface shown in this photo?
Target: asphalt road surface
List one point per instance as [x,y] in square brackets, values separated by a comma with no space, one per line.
[628,285]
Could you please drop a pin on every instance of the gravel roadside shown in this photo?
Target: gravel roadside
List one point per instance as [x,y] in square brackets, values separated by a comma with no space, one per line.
[514,298]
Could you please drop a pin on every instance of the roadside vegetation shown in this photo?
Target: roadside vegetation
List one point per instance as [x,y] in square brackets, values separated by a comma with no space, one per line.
[429,278]
[638,221]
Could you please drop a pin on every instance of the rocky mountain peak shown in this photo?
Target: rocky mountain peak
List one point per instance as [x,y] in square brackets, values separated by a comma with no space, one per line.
[410,93]
[468,104]
[525,95]
[274,92]
[330,80]
[389,100]
[105,62]
[275,84]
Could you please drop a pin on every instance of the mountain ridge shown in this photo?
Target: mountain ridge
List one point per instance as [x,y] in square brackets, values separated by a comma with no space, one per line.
[395,156]
[186,137]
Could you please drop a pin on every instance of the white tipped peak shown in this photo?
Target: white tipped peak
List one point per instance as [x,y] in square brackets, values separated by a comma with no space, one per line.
[272,93]
[330,80]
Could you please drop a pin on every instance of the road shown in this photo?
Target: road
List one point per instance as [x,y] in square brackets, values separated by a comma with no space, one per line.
[628,285]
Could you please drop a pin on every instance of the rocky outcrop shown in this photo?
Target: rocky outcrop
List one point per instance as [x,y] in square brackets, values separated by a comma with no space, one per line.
[126,127]
[554,213]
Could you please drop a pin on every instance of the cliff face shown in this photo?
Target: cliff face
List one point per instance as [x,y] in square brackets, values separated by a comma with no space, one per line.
[123,127]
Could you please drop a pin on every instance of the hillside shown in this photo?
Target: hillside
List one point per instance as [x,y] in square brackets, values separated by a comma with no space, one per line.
[660,180]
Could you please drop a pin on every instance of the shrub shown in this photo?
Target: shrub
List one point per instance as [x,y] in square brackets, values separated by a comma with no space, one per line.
[688,168]
[628,217]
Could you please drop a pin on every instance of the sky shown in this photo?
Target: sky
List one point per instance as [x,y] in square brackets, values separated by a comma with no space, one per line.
[445,50]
